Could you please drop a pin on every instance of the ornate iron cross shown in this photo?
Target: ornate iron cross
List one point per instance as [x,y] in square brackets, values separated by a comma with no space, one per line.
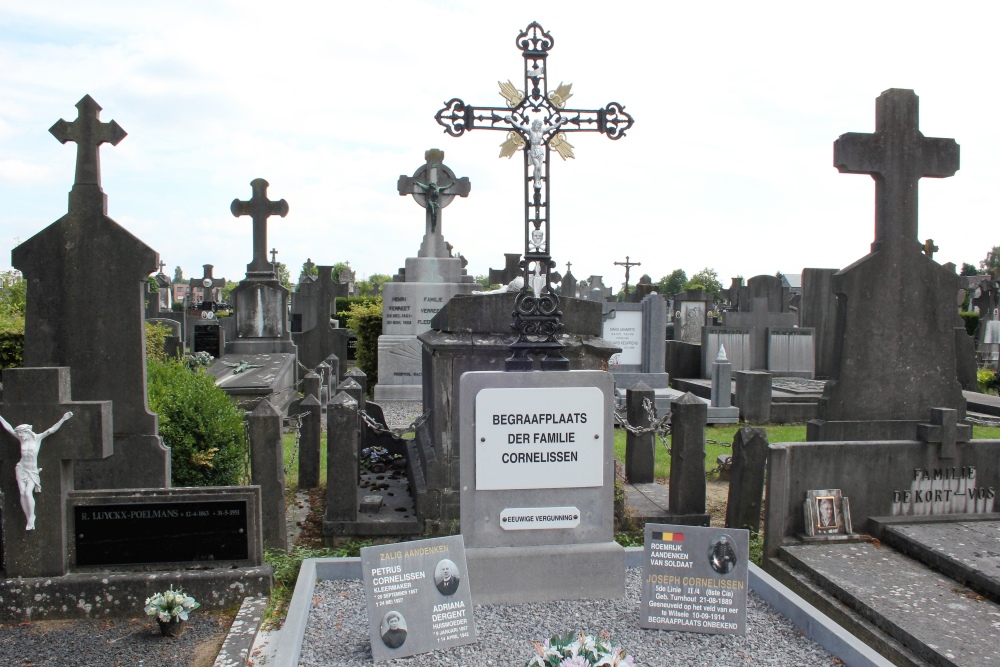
[535,120]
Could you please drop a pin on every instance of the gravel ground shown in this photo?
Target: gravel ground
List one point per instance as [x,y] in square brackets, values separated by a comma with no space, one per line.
[400,414]
[112,643]
[337,634]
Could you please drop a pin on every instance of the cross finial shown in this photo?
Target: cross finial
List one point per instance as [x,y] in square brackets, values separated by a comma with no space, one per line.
[161,265]
[259,208]
[897,156]
[89,133]
[274,259]
[568,264]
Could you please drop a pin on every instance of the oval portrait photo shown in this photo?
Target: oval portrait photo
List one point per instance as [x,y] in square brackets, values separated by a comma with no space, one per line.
[393,629]
[722,554]
[446,577]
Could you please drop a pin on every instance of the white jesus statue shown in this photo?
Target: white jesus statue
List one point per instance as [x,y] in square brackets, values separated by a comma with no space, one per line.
[27,471]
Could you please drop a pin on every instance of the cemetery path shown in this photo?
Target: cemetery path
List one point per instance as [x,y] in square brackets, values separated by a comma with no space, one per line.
[113,642]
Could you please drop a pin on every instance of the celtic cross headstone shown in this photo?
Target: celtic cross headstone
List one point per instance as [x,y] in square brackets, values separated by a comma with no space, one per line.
[433,187]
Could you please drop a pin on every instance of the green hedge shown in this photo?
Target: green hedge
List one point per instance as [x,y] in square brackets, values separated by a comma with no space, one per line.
[11,346]
[202,427]
[971,322]
[342,307]
[366,320]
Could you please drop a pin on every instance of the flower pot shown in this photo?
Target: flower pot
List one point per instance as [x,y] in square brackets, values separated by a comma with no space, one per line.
[175,627]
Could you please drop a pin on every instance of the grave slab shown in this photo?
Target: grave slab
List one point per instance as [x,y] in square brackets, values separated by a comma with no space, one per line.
[248,378]
[940,621]
[967,551]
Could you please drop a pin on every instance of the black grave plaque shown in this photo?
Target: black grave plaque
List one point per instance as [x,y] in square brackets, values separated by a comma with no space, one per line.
[206,338]
[165,532]
[352,347]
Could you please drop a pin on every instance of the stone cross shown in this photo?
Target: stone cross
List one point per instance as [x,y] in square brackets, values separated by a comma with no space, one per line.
[897,156]
[274,258]
[161,265]
[207,283]
[628,265]
[259,208]
[40,396]
[433,187]
[930,248]
[568,264]
[89,133]
[945,430]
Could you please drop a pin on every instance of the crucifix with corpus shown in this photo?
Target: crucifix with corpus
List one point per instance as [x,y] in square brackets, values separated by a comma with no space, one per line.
[535,120]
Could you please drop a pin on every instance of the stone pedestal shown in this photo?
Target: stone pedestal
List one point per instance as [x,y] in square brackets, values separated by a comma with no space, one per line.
[407,310]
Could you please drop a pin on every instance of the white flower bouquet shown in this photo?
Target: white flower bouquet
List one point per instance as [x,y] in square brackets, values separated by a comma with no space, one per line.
[574,649]
[170,605]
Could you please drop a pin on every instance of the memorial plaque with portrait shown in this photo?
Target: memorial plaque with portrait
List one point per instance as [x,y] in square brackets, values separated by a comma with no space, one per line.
[418,597]
[827,514]
[694,579]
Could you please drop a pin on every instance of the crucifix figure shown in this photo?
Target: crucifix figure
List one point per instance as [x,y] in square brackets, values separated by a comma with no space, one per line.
[26,471]
[89,133]
[433,187]
[535,120]
[259,208]
[628,265]
[896,156]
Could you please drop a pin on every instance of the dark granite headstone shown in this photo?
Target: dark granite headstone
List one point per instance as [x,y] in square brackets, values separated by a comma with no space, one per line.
[313,304]
[68,323]
[511,270]
[897,343]
[746,485]
[209,286]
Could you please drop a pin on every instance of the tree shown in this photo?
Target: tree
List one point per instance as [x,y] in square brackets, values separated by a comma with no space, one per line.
[283,277]
[968,269]
[228,289]
[372,282]
[337,267]
[670,285]
[706,279]
[312,270]
[991,264]
[178,275]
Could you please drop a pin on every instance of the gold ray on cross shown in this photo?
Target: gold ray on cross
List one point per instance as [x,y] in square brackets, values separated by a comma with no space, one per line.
[509,92]
[511,144]
[559,144]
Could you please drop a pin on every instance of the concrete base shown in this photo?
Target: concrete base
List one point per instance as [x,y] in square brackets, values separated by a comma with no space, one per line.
[123,595]
[399,392]
[543,573]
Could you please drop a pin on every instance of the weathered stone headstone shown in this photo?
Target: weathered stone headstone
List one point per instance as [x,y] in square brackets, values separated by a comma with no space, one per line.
[746,482]
[692,312]
[753,396]
[424,286]
[819,312]
[309,442]
[260,302]
[101,340]
[208,288]
[897,344]
[762,334]
[687,457]
[640,448]
[40,397]
[313,303]
[268,472]
[640,330]
[342,466]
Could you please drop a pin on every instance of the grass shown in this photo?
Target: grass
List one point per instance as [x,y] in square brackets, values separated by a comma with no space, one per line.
[724,434]
[288,442]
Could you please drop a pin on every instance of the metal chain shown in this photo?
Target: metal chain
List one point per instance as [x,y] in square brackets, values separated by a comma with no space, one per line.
[394,433]
[294,422]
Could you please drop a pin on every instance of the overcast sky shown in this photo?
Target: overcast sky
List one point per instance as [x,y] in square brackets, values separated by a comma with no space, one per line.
[729,164]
